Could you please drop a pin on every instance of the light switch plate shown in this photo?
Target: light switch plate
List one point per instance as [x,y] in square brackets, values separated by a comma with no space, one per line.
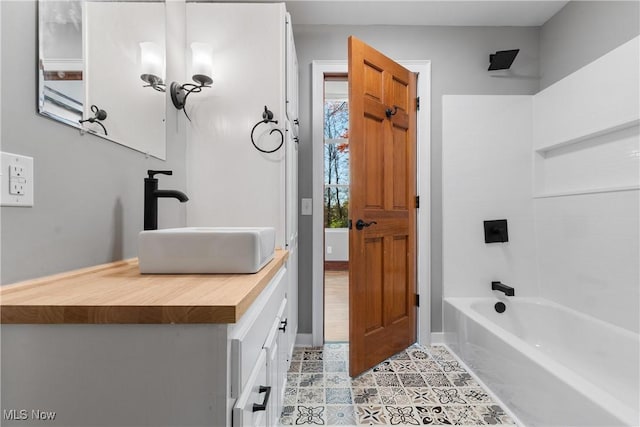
[306,207]
[17,180]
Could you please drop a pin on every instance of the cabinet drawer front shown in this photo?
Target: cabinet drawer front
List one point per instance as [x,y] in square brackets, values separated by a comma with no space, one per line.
[251,407]
[252,332]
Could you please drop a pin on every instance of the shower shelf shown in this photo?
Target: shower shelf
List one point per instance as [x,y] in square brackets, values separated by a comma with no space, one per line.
[543,151]
[586,191]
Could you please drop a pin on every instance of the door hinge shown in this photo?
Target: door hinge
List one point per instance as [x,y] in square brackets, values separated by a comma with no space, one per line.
[417,202]
[350,225]
[417,300]
[418,103]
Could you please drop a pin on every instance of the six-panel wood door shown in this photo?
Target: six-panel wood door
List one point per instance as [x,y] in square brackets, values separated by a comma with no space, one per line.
[382,145]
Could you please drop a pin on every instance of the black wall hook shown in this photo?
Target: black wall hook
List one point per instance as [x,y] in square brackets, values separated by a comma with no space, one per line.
[98,116]
[267,117]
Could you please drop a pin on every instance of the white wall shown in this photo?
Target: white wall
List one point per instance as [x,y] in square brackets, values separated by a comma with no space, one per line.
[486,168]
[230,183]
[587,180]
[588,250]
[336,240]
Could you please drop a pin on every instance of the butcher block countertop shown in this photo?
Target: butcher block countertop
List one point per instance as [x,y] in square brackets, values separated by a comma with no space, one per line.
[118,293]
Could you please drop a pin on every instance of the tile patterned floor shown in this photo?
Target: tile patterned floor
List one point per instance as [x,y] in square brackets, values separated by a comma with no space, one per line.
[419,386]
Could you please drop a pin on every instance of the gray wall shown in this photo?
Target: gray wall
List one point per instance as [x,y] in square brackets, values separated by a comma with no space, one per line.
[459,60]
[88,191]
[582,32]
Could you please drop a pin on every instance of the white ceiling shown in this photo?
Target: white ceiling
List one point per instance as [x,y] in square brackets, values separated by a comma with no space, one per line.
[423,12]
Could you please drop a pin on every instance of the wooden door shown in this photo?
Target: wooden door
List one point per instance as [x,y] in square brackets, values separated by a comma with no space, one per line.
[382,256]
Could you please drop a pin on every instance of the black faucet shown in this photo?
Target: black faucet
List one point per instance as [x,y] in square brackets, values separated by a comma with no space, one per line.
[497,286]
[151,195]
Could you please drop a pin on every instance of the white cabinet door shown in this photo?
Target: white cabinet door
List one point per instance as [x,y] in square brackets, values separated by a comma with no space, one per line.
[283,348]
[250,409]
[273,372]
[291,76]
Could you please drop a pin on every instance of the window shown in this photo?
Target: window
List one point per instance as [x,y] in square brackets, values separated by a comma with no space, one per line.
[336,154]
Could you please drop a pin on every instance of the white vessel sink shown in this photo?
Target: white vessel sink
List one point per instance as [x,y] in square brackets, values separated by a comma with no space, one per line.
[205,250]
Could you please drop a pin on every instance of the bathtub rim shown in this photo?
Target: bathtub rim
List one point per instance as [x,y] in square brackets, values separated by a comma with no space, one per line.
[590,391]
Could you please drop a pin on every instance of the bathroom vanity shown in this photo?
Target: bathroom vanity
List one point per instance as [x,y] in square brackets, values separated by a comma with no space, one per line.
[107,346]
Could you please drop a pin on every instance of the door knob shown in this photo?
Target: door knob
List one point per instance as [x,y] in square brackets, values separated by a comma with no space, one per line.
[360,224]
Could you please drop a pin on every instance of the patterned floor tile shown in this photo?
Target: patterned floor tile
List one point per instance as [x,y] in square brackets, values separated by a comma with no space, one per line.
[294,366]
[387,379]
[336,355]
[412,379]
[403,366]
[311,380]
[433,415]
[449,396]
[441,353]
[462,379]
[293,379]
[371,415]
[435,379]
[312,355]
[290,396]
[463,415]
[335,366]
[422,396]
[309,415]
[403,355]
[427,366]
[419,386]
[337,379]
[311,396]
[341,415]
[298,352]
[402,415]
[385,366]
[493,414]
[394,396]
[314,366]
[364,380]
[336,346]
[475,395]
[364,396]
[338,396]
[418,354]
[450,366]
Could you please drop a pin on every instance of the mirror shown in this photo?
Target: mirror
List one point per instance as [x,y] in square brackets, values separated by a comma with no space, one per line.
[101,69]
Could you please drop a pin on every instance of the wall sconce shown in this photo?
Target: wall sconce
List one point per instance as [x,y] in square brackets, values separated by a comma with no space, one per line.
[152,65]
[202,69]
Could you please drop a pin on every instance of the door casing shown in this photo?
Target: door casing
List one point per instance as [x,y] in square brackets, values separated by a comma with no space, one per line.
[319,69]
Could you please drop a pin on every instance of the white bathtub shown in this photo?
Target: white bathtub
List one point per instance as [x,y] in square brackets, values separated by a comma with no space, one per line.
[552,366]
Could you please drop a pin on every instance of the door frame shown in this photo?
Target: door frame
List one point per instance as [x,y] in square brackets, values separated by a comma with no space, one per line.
[423,186]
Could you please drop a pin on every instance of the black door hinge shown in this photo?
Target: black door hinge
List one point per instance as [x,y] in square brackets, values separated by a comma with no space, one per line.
[418,103]
[417,300]
[417,202]
[350,225]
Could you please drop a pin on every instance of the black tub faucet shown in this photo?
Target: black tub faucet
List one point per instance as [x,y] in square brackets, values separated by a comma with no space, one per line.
[151,195]
[508,290]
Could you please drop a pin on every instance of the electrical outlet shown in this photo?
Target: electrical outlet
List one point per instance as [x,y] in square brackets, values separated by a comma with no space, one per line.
[16,170]
[329,250]
[17,180]
[16,187]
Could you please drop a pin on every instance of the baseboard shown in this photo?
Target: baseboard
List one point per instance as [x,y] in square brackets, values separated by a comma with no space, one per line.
[437,338]
[336,265]
[304,340]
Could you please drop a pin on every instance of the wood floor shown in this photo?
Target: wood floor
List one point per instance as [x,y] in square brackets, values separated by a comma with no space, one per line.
[336,306]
